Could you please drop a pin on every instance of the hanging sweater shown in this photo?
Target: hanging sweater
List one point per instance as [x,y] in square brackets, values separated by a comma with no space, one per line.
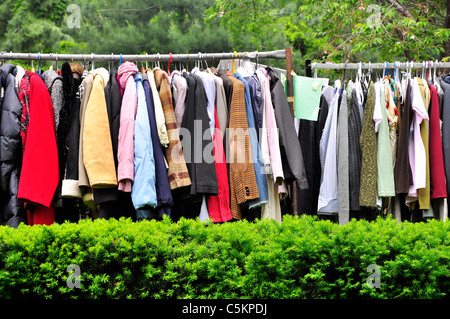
[368,140]
[181,86]
[355,152]
[385,172]
[437,171]
[54,84]
[342,161]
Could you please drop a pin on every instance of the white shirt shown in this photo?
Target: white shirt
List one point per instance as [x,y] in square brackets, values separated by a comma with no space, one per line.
[377,116]
[416,149]
[328,195]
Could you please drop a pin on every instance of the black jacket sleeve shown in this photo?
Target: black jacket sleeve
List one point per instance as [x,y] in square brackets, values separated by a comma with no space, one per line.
[291,153]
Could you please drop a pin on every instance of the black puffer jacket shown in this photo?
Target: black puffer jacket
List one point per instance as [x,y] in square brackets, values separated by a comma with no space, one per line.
[11,209]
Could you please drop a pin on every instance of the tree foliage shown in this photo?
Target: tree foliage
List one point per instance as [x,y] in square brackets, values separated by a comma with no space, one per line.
[355,30]
[110,26]
[340,30]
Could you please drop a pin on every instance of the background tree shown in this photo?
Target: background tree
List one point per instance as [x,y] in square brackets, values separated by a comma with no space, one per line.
[344,29]
[355,30]
[110,26]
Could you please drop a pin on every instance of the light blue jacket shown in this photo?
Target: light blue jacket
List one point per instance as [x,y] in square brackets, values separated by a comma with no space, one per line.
[143,192]
[261,181]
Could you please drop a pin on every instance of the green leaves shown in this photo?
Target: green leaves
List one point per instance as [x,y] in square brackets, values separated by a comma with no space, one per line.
[299,258]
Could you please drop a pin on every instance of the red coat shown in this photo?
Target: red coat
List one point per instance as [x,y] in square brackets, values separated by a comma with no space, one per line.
[219,205]
[437,172]
[40,174]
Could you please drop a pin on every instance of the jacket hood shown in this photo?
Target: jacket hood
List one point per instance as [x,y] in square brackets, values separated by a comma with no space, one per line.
[103,73]
[444,82]
[5,70]
[446,78]
[49,77]
[273,74]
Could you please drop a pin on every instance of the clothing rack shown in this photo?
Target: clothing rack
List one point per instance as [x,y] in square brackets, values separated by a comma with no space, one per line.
[376,65]
[276,54]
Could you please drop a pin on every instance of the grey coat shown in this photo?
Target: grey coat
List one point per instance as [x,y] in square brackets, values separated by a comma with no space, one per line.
[446,128]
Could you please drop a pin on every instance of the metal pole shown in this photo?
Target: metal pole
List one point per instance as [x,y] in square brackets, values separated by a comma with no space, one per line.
[290,99]
[277,54]
[380,65]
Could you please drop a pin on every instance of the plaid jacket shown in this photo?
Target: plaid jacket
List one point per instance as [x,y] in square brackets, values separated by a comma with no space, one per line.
[178,173]
[24,98]
[243,185]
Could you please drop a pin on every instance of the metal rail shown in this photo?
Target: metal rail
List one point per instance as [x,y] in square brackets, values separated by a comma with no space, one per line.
[278,54]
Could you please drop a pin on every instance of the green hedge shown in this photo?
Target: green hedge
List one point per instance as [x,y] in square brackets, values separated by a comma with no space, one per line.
[300,258]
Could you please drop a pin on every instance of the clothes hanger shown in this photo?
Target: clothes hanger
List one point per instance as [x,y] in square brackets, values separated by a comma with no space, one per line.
[39,58]
[92,62]
[158,61]
[434,73]
[51,66]
[423,70]
[111,63]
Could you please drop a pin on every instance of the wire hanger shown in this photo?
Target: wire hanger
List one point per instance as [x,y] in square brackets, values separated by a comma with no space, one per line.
[32,66]
[39,59]
[92,62]
[168,63]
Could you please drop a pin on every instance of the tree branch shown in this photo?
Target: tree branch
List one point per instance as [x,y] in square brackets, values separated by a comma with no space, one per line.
[405,12]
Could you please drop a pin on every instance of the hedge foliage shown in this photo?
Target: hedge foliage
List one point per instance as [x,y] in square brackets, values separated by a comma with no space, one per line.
[300,258]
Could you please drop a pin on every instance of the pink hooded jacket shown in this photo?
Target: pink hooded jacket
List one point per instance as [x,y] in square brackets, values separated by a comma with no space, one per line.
[125,151]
